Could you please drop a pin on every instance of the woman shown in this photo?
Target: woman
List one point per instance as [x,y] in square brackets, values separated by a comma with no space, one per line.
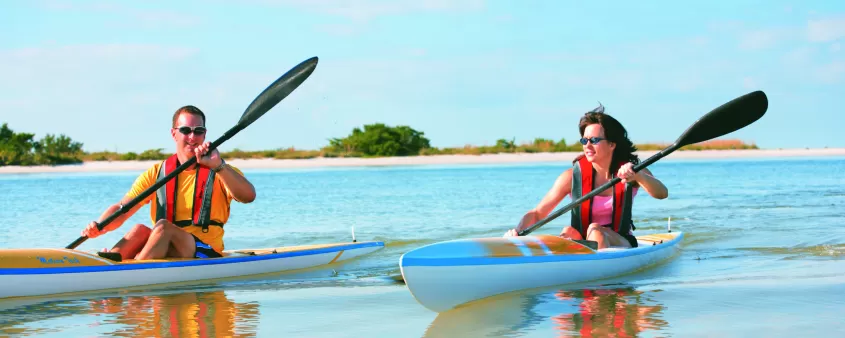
[606,217]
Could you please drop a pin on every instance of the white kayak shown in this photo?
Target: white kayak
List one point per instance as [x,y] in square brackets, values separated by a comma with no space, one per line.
[37,272]
[444,275]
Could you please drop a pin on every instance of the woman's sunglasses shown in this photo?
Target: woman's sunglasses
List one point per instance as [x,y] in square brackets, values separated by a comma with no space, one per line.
[593,140]
[185,130]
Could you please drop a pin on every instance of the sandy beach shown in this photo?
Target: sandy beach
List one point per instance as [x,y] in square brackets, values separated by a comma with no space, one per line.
[115,166]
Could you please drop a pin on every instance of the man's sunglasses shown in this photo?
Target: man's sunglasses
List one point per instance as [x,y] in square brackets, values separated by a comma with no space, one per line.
[185,130]
[593,140]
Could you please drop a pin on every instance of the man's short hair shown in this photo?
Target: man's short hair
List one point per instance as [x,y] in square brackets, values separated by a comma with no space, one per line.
[188,110]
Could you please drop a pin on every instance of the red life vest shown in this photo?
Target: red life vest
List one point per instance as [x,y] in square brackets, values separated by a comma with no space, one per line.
[203,187]
[583,182]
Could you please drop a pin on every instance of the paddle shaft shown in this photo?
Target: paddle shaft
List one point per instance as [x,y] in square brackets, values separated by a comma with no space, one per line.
[603,187]
[162,181]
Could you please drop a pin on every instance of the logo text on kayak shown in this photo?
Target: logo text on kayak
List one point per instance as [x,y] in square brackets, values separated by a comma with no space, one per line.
[63,260]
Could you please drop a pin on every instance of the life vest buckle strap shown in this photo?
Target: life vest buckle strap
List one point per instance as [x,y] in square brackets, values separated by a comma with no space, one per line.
[187,223]
[182,224]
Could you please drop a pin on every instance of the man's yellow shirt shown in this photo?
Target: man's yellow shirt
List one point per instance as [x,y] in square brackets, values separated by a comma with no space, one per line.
[220,202]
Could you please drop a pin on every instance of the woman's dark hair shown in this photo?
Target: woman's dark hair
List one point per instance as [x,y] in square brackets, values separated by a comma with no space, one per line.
[614,132]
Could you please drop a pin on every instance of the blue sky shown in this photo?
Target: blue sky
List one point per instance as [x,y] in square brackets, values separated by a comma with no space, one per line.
[110,74]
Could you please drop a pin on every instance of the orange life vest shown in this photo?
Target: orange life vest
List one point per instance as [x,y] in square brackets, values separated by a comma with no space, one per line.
[203,187]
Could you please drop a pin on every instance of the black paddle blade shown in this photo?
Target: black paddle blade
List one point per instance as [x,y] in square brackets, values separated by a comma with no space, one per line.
[277,91]
[727,118]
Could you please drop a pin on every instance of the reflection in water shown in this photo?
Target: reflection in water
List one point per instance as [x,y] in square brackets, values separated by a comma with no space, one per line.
[184,314]
[607,313]
[13,316]
[591,312]
[189,314]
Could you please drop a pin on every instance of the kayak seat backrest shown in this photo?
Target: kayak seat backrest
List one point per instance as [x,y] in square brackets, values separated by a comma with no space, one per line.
[590,244]
[236,254]
[613,248]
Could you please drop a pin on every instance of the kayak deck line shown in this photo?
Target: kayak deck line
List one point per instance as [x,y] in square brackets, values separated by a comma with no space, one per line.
[656,238]
[520,250]
[28,261]
[92,256]
[47,272]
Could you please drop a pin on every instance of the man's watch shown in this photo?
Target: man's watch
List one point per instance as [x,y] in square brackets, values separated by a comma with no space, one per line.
[219,167]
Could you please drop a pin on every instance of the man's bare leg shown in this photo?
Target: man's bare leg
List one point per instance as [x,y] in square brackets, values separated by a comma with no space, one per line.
[163,236]
[132,242]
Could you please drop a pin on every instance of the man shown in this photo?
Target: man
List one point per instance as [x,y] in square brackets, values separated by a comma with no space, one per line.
[190,210]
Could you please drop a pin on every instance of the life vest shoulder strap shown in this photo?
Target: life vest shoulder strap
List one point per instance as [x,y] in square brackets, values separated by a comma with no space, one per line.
[582,183]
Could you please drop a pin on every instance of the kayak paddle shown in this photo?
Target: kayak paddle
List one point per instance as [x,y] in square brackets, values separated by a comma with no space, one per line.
[268,98]
[727,118]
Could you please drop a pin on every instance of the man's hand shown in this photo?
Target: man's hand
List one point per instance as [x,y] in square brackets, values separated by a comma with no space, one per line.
[211,160]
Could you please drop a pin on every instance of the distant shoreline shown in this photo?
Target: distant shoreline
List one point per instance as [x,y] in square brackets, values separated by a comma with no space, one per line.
[501,158]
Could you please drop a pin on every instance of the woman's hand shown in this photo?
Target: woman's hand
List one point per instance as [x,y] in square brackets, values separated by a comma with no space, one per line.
[645,179]
[627,174]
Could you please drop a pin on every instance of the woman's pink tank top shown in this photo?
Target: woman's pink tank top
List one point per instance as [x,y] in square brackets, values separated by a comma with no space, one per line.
[603,208]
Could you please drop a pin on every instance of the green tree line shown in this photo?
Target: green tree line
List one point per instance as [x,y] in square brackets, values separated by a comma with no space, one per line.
[373,140]
[23,149]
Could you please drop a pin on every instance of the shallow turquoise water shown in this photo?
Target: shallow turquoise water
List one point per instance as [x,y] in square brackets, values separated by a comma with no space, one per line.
[764,253]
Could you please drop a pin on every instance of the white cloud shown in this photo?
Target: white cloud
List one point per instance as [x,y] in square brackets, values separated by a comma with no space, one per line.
[807,60]
[340,29]
[416,52]
[366,10]
[111,85]
[577,57]
[700,41]
[359,13]
[95,65]
[725,26]
[816,30]
[806,64]
[63,5]
[504,18]
[150,80]
[762,38]
[831,73]
[687,83]
[749,83]
[826,30]
[125,15]
[87,65]
[99,53]
[799,57]
[155,19]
